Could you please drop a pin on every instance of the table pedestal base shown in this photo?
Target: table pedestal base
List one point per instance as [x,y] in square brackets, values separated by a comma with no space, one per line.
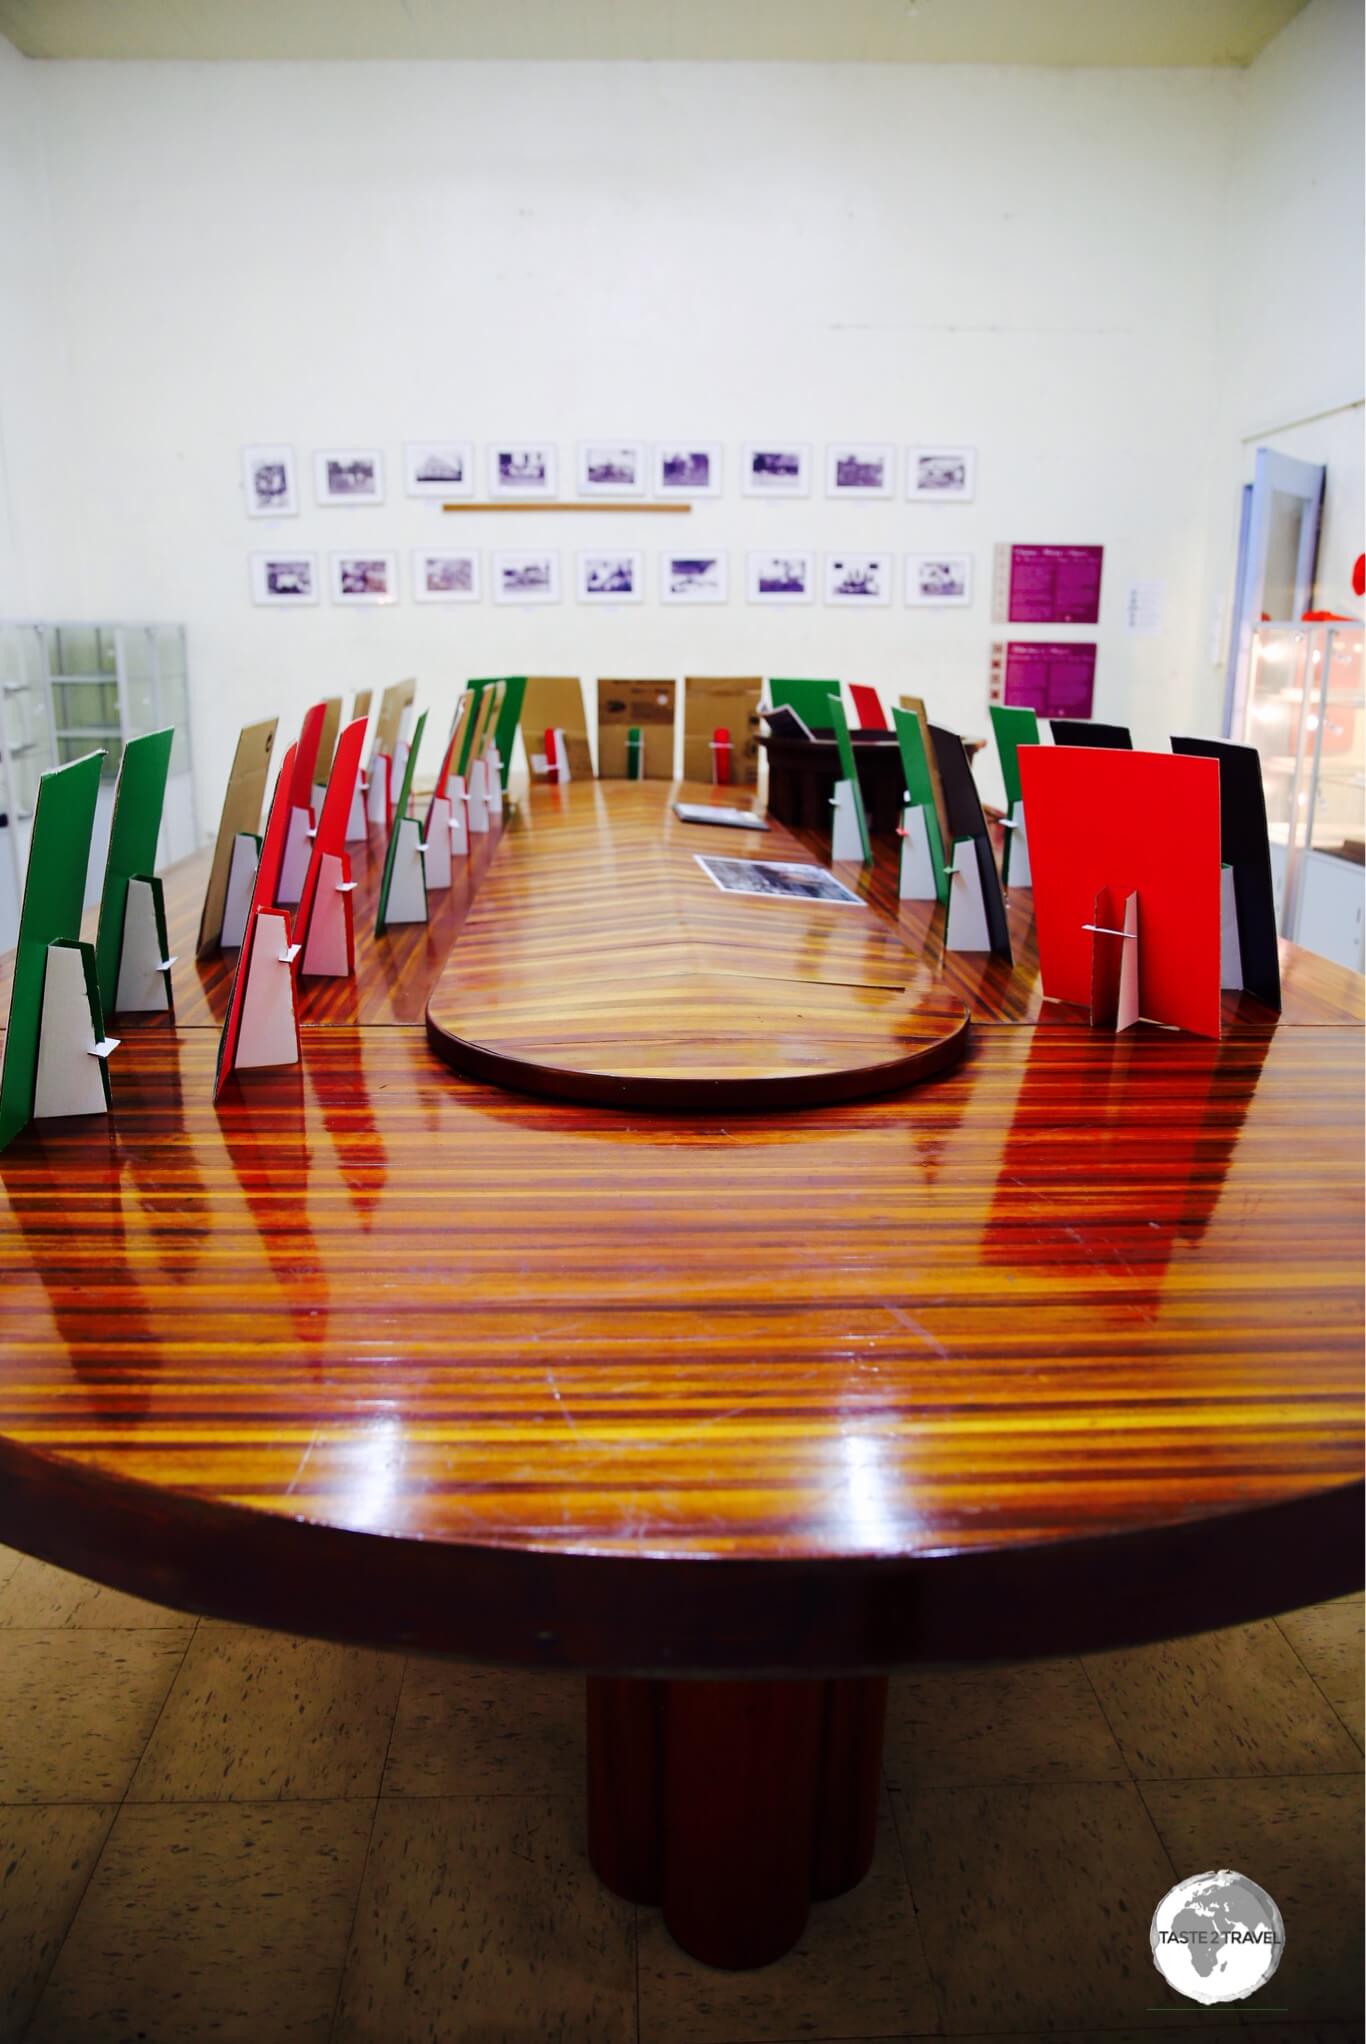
[734,1804]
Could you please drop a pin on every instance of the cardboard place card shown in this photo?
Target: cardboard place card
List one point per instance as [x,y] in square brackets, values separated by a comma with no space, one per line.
[394,705]
[1245,850]
[323,928]
[240,817]
[849,834]
[967,821]
[261,1026]
[868,707]
[554,702]
[922,840]
[302,817]
[1085,731]
[810,699]
[1013,728]
[127,917]
[713,704]
[648,709]
[402,889]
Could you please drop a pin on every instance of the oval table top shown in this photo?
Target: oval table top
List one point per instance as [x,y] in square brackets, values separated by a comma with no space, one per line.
[1058,1349]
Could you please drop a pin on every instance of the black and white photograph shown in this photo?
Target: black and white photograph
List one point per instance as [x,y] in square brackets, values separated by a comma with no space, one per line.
[526,578]
[349,475]
[611,577]
[438,468]
[611,468]
[364,578]
[445,577]
[780,578]
[522,470]
[693,578]
[939,579]
[284,578]
[860,469]
[688,469]
[777,880]
[858,580]
[769,471]
[268,476]
[941,475]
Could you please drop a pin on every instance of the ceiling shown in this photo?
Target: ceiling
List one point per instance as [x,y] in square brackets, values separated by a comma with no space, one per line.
[1057,32]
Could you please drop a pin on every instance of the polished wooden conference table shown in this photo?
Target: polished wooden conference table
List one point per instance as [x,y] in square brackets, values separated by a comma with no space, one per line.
[1055,1345]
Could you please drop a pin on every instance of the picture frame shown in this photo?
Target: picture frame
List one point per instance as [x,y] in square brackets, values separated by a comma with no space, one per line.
[858,581]
[347,477]
[687,468]
[605,575]
[771,468]
[523,468]
[270,482]
[364,575]
[437,469]
[860,468]
[941,475]
[611,468]
[698,576]
[529,576]
[940,580]
[786,577]
[284,577]
[445,575]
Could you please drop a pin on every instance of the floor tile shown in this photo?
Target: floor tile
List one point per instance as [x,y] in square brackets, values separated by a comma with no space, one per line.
[1221,1703]
[253,1716]
[76,1710]
[1300,1840]
[1034,1904]
[47,1854]
[858,1970]
[214,1922]
[1039,1721]
[480,1919]
[470,1731]
[38,1595]
[1331,1641]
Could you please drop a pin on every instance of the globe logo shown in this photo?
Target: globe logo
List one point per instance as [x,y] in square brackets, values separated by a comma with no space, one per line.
[1217,1937]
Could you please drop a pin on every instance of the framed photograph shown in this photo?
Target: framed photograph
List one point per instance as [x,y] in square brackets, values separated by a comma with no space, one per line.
[284,578]
[862,581]
[770,471]
[526,578]
[941,475]
[611,468]
[268,476]
[693,578]
[349,475]
[445,577]
[863,468]
[939,578]
[688,469]
[780,578]
[611,577]
[522,471]
[438,468]
[364,578]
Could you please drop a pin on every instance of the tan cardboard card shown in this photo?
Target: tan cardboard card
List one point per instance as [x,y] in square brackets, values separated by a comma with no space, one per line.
[648,706]
[327,740]
[718,703]
[389,719]
[554,702]
[241,813]
[917,710]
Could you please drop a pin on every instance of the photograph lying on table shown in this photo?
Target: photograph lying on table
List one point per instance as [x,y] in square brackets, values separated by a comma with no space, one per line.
[941,475]
[693,578]
[862,469]
[526,578]
[522,470]
[284,578]
[611,578]
[438,468]
[364,578]
[268,473]
[777,881]
[445,578]
[349,475]
[769,471]
[690,470]
[780,578]
[611,468]
[939,578]
[863,580]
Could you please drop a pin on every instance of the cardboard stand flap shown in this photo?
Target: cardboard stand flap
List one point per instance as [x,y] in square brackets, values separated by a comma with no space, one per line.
[72,1076]
[144,982]
[1012,728]
[919,876]
[493,781]
[967,820]
[402,893]
[241,817]
[459,820]
[966,927]
[436,845]
[255,1029]
[1114,962]
[476,805]
[378,794]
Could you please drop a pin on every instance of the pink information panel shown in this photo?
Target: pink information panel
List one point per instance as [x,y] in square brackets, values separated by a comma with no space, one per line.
[1054,585]
[1056,678]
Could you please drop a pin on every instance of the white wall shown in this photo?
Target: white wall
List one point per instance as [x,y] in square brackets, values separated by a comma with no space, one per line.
[361,253]
[31,348]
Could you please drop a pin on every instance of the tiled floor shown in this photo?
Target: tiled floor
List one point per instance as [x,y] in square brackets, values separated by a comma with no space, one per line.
[208,1832]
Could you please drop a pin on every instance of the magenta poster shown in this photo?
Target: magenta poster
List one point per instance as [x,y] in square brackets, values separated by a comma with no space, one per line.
[1054,677]
[1054,585]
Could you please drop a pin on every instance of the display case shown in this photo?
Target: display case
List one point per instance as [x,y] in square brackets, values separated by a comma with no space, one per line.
[1305,715]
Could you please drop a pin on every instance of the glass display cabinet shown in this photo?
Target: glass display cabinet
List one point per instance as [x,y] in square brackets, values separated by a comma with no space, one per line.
[1305,709]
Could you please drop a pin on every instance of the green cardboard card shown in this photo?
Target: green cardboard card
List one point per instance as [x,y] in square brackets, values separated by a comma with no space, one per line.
[509,717]
[810,699]
[401,801]
[915,766]
[133,838]
[479,690]
[1012,728]
[849,770]
[54,894]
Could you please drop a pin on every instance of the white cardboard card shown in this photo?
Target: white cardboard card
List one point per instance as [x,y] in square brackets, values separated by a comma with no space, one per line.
[269,1033]
[436,852]
[1126,1013]
[1018,868]
[143,986]
[327,951]
[966,926]
[69,1079]
[294,865]
[476,802]
[246,856]
[459,827]
[917,867]
[377,795]
[1230,943]
[407,891]
[845,840]
[355,822]
[493,781]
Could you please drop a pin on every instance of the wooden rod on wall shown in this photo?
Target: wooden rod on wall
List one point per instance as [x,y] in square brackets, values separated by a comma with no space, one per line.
[532,505]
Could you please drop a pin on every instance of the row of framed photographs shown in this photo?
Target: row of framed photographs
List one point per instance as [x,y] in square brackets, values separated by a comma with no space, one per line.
[608,576]
[440,469]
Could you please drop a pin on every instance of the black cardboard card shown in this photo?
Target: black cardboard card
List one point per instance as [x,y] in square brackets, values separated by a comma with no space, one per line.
[1081,731]
[1245,845]
[966,819]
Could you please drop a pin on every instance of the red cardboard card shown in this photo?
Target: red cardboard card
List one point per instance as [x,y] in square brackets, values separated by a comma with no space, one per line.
[262,902]
[306,757]
[330,838]
[1144,823]
[867,707]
